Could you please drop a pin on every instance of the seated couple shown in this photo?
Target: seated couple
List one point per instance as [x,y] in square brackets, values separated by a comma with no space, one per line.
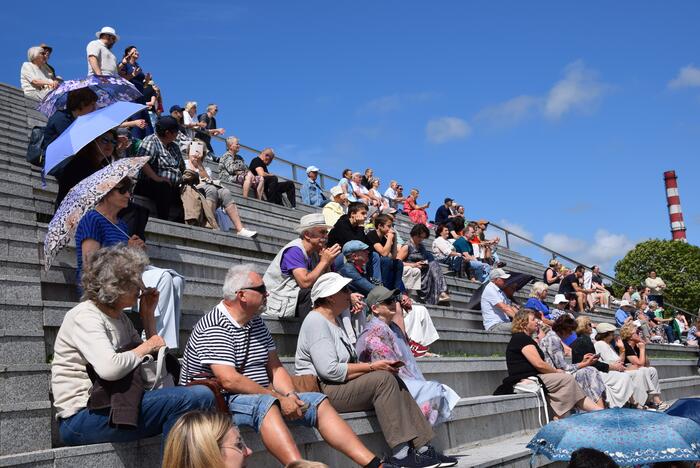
[232,343]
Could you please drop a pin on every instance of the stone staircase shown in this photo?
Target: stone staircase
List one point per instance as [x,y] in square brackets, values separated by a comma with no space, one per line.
[33,303]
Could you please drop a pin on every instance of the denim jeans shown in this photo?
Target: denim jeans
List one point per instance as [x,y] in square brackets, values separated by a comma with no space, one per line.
[160,409]
[392,273]
[250,410]
[481,270]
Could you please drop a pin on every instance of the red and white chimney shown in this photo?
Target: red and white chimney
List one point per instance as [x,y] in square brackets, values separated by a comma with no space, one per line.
[673,201]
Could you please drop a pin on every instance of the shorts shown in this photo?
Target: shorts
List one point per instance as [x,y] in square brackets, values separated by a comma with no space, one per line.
[250,410]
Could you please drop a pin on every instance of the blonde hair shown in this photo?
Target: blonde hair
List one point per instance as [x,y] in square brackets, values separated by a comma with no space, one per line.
[538,288]
[582,322]
[627,330]
[553,262]
[190,105]
[306,464]
[520,320]
[195,439]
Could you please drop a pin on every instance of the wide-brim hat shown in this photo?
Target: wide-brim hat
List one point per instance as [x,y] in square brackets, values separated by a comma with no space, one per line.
[327,285]
[605,327]
[312,220]
[107,30]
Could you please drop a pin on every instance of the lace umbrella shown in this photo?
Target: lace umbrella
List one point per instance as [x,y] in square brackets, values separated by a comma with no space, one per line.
[109,89]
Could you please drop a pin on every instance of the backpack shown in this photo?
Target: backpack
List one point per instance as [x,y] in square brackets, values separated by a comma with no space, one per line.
[35,153]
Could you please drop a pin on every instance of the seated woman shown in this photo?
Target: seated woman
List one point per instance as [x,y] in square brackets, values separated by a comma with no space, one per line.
[525,359]
[102,227]
[553,275]
[645,379]
[205,440]
[413,210]
[377,195]
[94,334]
[627,296]
[433,288]
[216,195]
[325,351]
[382,339]
[601,295]
[618,384]
[538,294]
[585,374]
[445,252]
[233,169]
[36,77]
[637,362]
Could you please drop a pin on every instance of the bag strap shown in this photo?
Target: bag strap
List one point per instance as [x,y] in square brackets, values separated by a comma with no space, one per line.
[160,364]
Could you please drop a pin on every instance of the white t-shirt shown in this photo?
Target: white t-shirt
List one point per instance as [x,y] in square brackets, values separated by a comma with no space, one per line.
[31,72]
[189,120]
[105,58]
[390,193]
[442,247]
[491,296]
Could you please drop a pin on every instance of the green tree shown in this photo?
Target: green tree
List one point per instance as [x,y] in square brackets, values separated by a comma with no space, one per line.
[677,263]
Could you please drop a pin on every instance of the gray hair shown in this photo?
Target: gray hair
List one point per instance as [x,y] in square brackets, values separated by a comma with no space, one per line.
[34,52]
[190,105]
[237,278]
[111,272]
[653,304]
[538,288]
[229,140]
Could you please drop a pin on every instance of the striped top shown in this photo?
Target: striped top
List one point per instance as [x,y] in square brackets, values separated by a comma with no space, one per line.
[218,339]
[95,226]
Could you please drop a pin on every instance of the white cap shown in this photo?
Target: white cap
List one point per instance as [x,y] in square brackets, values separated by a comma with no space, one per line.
[625,303]
[311,221]
[312,169]
[497,273]
[107,30]
[559,298]
[605,327]
[337,190]
[328,284]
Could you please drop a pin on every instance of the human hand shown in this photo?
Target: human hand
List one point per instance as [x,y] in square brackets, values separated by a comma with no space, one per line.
[589,359]
[385,365]
[291,407]
[357,303]
[616,366]
[140,123]
[148,303]
[154,343]
[137,242]
[619,343]
[641,345]
[329,253]
[405,301]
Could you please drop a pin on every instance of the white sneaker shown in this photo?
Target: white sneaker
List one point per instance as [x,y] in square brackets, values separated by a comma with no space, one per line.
[247,233]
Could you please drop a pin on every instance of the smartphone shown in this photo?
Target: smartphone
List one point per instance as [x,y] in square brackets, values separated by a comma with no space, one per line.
[398,364]
[304,408]
[196,149]
[597,356]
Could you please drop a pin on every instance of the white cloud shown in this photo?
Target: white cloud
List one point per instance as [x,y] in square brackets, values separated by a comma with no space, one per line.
[516,228]
[578,90]
[563,243]
[688,76]
[444,129]
[603,250]
[510,112]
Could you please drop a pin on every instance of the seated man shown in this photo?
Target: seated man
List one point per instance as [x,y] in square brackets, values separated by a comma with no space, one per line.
[570,285]
[444,213]
[233,344]
[496,308]
[312,193]
[395,200]
[161,176]
[273,187]
[333,210]
[462,245]
[295,269]
[384,242]
[622,314]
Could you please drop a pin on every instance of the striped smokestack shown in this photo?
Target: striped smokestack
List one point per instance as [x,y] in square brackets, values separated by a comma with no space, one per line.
[673,201]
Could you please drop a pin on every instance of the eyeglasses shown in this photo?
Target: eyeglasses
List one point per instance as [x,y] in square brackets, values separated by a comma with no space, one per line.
[108,140]
[239,446]
[260,289]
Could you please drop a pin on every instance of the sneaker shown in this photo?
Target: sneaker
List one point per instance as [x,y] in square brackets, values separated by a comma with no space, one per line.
[501,264]
[414,460]
[247,233]
[444,297]
[443,459]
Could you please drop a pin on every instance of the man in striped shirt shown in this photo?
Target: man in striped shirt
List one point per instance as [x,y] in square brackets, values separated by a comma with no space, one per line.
[233,343]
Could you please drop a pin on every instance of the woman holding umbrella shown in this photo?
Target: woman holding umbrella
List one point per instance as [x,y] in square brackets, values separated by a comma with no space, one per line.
[101,227]
[525,359]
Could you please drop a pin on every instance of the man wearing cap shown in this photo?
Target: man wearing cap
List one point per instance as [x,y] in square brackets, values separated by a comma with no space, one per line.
[161,176]
[444,213]
[101,59]
[232,343]
[296,267]
[497,309]
[623,313]
[333,210]
[176,113]
[312,193]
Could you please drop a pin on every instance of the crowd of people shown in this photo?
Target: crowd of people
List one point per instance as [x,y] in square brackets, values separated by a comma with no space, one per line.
[361,292]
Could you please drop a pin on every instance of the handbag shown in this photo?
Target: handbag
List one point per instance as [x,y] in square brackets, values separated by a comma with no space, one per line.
[154,373]
[305,383]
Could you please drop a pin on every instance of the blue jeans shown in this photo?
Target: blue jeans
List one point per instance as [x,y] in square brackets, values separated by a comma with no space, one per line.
[250,410]
[160,409]
[481,270]
[392,273]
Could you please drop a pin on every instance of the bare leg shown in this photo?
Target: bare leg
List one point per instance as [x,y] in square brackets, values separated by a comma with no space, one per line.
[589,405]
[580,300]
[246,184]
[338,434]
[261,190]
[277,438]
[232,213]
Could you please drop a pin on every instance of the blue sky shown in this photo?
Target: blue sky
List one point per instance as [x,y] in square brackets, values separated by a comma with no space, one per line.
[556,119]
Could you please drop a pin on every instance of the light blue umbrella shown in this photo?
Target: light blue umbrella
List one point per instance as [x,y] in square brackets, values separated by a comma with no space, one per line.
[628,436]
[85,129]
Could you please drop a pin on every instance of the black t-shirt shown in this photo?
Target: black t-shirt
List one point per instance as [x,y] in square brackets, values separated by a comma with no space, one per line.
[630,351]
[518,365]
[582,346]
[255,163]
[374,238]
[442,215]
[566,284]
[597,279]
[344,232]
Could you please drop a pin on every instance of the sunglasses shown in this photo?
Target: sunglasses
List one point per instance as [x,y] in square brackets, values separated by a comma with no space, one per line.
[108,140]
[125,188]
[260,289]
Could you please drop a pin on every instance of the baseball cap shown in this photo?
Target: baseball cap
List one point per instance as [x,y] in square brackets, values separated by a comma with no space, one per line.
[605,328]
[354,246]
[559,298]
[176,108]
[497,273]
[482,222]
[312,169]
[380,294]
[327,285]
